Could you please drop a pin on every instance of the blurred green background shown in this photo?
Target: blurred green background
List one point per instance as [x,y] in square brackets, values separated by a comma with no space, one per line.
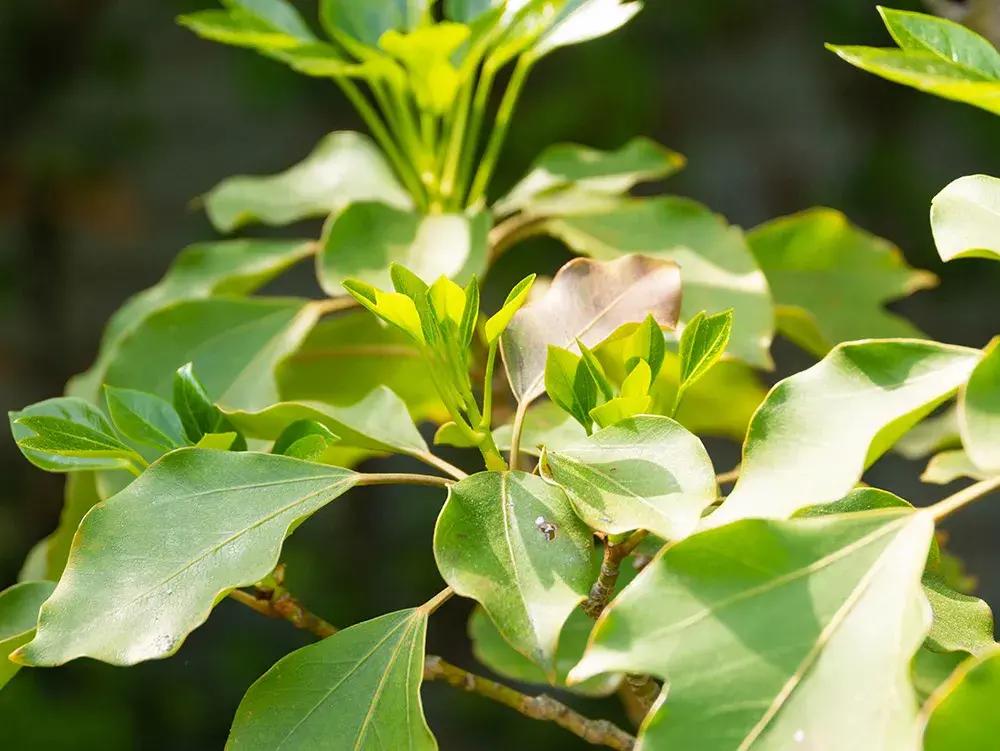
[112,119]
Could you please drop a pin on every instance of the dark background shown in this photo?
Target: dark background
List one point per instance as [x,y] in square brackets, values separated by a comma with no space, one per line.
[112,119]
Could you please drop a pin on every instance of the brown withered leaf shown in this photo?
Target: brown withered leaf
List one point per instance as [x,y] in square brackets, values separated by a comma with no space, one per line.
[587,300]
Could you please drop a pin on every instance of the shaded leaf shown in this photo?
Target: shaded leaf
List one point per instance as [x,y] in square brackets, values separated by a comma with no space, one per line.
[718,271]
[569,383]
[831,280]
[18,614]
[308,440]
[367,238]
[979,412]
[852,614]
[366,22]
[145,418]
[530,564]
[579,21]
[962,712]
[947,466]
[936,433]
[643,473]
[965,217]
[587,301]
[343,168]
[199,415]
[817,431]
[358,689]
[202,524]
[569,167]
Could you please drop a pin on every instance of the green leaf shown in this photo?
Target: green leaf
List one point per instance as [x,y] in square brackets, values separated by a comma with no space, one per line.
[597,369]
[547,425]
[278,13]
[427,54]
[260,24]
[961,622]
[499,321]
[326,61]
[586,301]
[703,342]
[965,218]
[492,650]
[936,433]
[620,408]
[220,442]
[569,168]
[937,56]
[643,473]
[378,422]
[304,437]
[831,280]
[18,614]
[202,523]
[979,412]
[467,11]
[962,712]
[569,384]
[67,434]
[79,497]
[343,168]
[946,467]
[145,418]
[359,688]
[367,238]
[718,271]
[531,562]
[817,431]
[931,669]
[198,415]
[449,434]
[345,357]
[645,343]
[579,21]
[366,22]
[758,623]
[234,345]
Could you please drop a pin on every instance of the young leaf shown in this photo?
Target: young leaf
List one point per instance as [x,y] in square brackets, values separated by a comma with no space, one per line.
[344,168]
[703,342]
[589,301]
[569,384]
[145,418]
[962,712]
[802,614]
[531,563]
[718,271]
[597,370]
[379,422]
[68,435]
[203,523]
[569,168]
[18,615]
[965,217]
[643,473]
[579,21]
[645,343]
[198,414]
[359,688]
[238,28]
[979,412]
[449,434]
[427,54]
[638,381]
[499,321]
[220,442]
[937,56]
[936,433]
[620,408]
[366,22]
[493,651]
[364,240]
[947,466]
[305,439]
[449,302]
[392,307]
[831,280]
[817,431]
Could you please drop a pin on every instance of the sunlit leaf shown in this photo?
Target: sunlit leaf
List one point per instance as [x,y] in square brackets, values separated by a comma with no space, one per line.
[578,21]
[531,564]
[965,218]
[499,321]
[569,383]
[569,168]
[201,524]
[831,280]
[718,271]
[343,168]
[979,412]
[587,300]
[643,473]
[259,24]
[818,430]
[936,55]
[367,238]
[18,614]
[359,688]
[427,54]
[937,433]
[759,623]
[366,22]
[946,467]
[703,342]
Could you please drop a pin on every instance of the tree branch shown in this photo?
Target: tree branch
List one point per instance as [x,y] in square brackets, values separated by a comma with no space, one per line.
[543,707]
[278,603]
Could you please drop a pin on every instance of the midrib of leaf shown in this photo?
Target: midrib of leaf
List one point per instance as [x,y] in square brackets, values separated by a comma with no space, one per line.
[780,581]
[338,684]
[824,637]
[366,722]
[216,548]
[80,438]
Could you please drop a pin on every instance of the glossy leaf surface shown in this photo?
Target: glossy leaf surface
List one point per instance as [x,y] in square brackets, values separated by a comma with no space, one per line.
[358,689]
[531,562]
[145,418]
[201,524]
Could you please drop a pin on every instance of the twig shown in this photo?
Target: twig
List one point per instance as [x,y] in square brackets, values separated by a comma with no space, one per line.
[543,707]
[724,478]
[512,231]
[335,304]
[404,478]
[278,603]
[963,497]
